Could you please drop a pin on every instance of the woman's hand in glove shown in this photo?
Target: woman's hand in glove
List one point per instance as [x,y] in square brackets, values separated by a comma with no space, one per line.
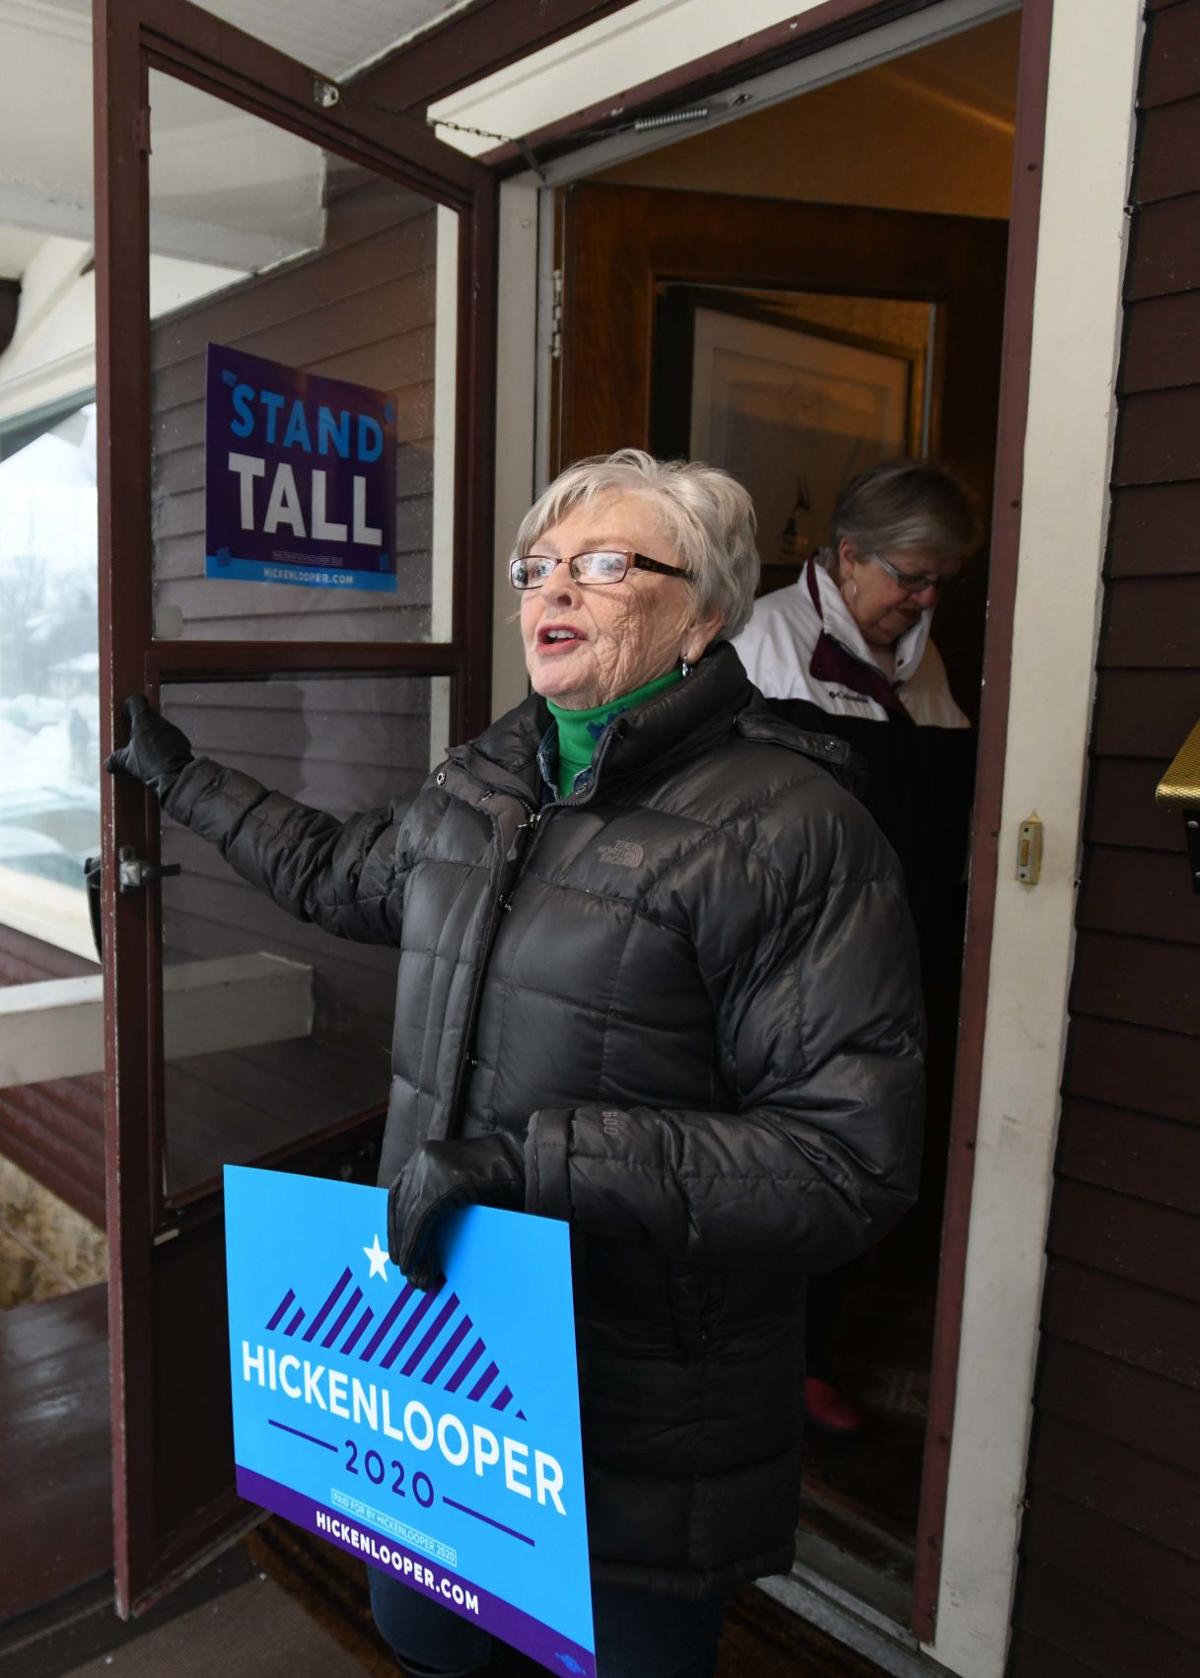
[156,752]
[438,1179]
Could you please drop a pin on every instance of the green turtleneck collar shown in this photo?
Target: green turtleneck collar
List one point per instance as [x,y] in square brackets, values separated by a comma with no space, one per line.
[579,731]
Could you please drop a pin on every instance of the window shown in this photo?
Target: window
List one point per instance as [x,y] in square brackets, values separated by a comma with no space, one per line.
[49,666]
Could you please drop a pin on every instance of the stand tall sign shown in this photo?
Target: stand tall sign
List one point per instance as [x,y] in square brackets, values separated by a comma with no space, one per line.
[300,477]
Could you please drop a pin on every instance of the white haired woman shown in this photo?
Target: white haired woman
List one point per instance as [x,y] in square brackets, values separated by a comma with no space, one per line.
[657,979]
[847,649]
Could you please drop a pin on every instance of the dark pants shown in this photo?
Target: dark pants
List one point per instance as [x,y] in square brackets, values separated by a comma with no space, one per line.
[637,1635]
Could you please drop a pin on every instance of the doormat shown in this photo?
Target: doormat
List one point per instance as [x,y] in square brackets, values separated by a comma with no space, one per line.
[761,1639]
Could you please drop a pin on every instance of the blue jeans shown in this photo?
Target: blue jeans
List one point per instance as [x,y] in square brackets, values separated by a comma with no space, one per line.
[637,1635]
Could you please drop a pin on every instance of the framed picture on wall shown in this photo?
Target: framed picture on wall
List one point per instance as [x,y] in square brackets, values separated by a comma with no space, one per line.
[791,408]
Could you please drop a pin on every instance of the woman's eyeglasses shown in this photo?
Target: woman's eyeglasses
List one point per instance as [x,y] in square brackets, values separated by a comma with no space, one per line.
[606,565]
[910,582]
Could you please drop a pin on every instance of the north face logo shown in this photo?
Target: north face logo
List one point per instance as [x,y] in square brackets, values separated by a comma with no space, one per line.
[623,852]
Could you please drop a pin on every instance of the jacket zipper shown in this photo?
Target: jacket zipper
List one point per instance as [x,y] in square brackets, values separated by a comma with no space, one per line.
[499,898]
[521,853]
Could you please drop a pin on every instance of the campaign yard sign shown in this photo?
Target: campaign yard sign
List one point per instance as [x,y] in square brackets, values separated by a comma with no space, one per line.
[435,1435]
[300,476]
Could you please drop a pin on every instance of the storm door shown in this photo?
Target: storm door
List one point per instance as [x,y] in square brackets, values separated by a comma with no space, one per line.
[295,374]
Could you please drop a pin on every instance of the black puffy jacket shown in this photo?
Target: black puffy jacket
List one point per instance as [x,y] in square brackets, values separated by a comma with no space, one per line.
[693,989]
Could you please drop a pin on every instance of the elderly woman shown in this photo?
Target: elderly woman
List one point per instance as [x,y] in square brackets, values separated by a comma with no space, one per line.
[846,649]
[656,978]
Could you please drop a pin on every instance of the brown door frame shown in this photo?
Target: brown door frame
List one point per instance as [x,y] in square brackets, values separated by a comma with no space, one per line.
[155,1281]
[754,54]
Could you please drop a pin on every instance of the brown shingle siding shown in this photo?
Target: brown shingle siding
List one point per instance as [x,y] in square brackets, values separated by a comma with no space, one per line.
[1168,157]
[1101,1636]
[1143,713]
[1171,66]
[1159,443]
[1143,894]
[1034,1658]
[1123,811]
[1134,1067]
[1152,622]
[1149,1579]
[1128,1487]
[1153,1331]
[1140,981]
[1155,529]
[1133,1153]
[1162,343]
[1164,250]
[1112,1231]
[1105,1395]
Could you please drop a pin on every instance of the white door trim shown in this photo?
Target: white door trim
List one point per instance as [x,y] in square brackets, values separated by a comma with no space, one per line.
[1094,56]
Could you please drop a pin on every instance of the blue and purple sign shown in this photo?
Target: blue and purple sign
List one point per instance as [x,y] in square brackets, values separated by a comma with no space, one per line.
[300,476]
[435,1435]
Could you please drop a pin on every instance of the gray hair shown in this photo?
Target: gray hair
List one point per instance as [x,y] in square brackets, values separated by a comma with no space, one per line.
[906,504]
[707,514]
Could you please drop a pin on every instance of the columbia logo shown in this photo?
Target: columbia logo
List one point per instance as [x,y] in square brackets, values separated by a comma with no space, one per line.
[624,853]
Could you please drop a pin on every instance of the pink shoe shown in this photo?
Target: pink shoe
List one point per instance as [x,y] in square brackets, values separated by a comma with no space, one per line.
[831,1411]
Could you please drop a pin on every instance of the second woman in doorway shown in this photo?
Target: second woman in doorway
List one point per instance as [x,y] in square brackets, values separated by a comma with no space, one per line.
[846,650]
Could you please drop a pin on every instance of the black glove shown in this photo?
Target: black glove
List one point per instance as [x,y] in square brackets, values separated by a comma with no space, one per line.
[156,752]
[438,1179]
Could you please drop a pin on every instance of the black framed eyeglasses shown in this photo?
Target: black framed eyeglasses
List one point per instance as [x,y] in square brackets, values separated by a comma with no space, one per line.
[911,582]
[601,565]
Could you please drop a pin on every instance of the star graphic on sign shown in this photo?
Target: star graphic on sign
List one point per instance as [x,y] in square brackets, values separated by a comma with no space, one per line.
[378,1258]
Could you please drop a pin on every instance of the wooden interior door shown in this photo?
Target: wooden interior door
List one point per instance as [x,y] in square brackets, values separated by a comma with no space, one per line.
[619,244]
[244,200]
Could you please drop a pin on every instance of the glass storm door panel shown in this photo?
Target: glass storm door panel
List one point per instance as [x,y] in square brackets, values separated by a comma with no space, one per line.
[276,1033]
[285,280]
[295,355]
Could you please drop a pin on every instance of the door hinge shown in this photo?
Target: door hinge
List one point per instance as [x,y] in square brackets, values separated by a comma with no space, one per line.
[141,130]
[556,316]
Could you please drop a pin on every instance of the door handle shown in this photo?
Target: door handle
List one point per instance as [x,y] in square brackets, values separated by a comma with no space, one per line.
[133,873]
[1179,790]
[91,880]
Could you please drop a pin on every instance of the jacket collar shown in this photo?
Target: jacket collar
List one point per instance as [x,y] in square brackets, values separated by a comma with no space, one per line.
[685,720]
[688,719]
[909,650]
[676,724]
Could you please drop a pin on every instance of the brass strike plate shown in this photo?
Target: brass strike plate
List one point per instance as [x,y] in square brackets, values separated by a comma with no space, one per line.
[1029,850]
